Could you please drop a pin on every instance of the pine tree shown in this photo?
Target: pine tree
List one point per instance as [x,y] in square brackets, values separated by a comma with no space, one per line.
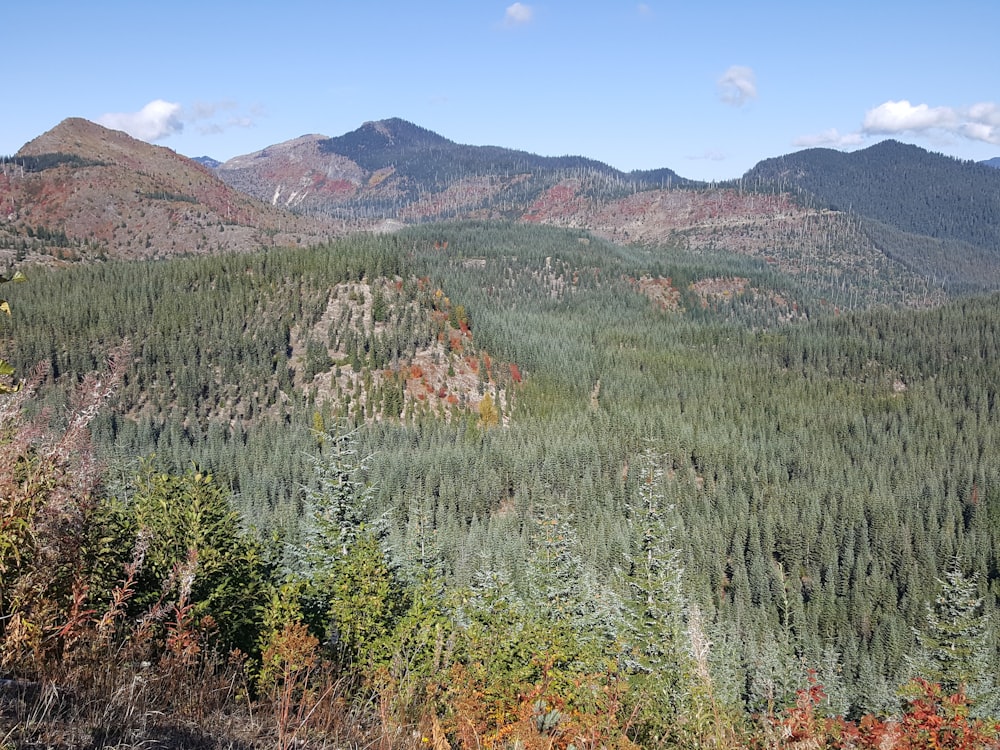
[567,595]
[190,516]
[336,504]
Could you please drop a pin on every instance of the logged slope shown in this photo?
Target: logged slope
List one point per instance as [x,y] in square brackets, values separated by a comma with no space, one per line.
[81,190]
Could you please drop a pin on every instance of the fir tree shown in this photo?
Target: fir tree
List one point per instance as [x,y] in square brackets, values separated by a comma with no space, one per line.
[349,587]
[954,646]
[655,578]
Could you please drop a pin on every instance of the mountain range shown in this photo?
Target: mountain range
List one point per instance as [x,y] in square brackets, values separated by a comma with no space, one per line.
[891,210]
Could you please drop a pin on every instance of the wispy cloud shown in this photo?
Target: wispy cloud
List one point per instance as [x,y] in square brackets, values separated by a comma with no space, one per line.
[154,122]
[832,138]
[708,156]
[161,119]
[213,118]
[644,10]
[518,14]
[737,86]
[980,122]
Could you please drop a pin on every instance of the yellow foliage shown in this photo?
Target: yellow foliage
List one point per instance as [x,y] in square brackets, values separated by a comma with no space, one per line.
[489,415]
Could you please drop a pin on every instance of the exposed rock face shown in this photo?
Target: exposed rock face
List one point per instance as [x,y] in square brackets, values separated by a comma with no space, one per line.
[295,174]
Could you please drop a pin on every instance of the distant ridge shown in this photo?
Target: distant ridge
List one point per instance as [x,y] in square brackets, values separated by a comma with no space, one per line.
[207,161]
[898,184]
[939,215]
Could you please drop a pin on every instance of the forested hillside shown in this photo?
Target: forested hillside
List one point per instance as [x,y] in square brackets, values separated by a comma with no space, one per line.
[927,197]
[520,487]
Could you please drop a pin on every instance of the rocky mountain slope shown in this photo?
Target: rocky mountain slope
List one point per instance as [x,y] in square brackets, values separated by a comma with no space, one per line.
[82,191]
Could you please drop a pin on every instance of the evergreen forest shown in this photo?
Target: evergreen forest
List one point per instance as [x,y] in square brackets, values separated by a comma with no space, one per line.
[487,485]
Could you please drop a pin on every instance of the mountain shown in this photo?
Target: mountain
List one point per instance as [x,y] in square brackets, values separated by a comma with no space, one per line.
[81,190]
[393,169]
[207,161]
[994,162]
[939,215]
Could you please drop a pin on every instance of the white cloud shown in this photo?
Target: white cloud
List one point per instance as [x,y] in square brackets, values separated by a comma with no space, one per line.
[737,86]
[901,116]
[986,113]
[980,122]
[154,122]
[977,131]
[831,137]
[518,14]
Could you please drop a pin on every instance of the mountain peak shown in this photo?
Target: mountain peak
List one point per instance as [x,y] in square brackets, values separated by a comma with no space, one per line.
[392,133]
[382,127]
[77,136]
[96,144]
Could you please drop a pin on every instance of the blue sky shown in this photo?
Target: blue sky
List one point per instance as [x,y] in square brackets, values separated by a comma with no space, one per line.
[706,89]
